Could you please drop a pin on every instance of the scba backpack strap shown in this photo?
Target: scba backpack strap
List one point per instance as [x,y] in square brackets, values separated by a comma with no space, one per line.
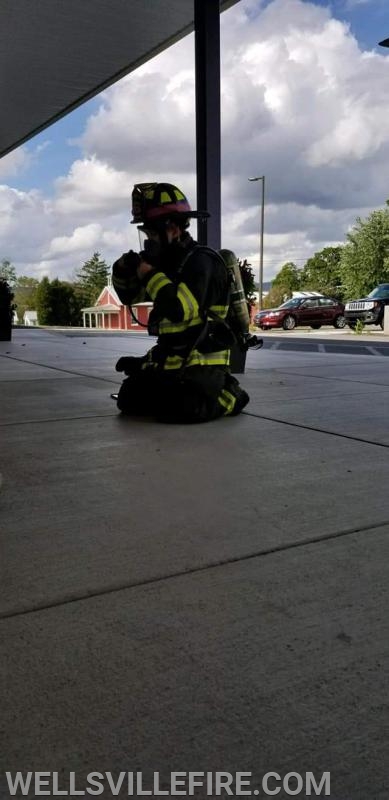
[202,248]
[237,325]
[238,319]
[229,336]
[205,312]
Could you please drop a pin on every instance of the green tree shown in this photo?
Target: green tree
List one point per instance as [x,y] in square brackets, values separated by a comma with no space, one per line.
[288,278]
[24,282]
[75,304]
[25,291]
[62,297]
[365,256]
[275,297]
[91,279]
[57,303]
[43,302]
[248,281]
[286,281]
[322,272]
[7,271]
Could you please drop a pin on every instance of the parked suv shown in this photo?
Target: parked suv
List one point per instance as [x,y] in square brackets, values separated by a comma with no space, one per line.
[313,310]
[370,309]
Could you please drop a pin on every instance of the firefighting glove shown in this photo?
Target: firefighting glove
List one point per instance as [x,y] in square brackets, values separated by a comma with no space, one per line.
[130,365]
[127,264]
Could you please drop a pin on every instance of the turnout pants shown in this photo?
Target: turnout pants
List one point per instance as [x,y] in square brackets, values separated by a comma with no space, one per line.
[197,394]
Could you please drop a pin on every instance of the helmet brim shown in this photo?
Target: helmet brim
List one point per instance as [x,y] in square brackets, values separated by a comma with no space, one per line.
[173,214]
[199,214]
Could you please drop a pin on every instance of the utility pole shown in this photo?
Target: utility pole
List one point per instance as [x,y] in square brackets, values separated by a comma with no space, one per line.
[261,178]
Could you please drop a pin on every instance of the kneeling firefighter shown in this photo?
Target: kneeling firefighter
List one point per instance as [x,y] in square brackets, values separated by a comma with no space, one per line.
[185,377]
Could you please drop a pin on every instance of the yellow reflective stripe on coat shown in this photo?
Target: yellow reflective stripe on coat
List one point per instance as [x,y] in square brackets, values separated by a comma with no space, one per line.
[221,311]
[156,283]
[149,360]
[166,326]
[188,301]
[221,358]
[227,400]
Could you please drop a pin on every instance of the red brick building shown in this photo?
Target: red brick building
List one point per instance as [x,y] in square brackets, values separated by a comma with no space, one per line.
[109,313]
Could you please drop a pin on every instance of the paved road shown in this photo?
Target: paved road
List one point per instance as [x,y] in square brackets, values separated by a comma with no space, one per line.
[248,634]
[332,343]
[327,345]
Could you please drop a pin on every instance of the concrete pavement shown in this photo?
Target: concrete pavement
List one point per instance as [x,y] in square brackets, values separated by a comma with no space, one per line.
[197,598]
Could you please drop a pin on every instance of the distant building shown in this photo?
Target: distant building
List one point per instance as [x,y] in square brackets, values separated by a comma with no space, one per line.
[109,313]
[307,294]
[30,318]
[256,295]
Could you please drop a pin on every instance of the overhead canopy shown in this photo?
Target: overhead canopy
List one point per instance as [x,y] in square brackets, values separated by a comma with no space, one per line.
[56,54]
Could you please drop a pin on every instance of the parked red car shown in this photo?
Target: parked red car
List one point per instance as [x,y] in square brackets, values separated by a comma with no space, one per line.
[312,310]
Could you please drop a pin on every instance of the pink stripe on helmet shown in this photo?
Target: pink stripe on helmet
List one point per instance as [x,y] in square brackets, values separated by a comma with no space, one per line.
[182,207]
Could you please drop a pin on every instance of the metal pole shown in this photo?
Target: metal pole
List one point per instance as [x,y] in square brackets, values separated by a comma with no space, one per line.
[207,68]
[261,248]
[260,298]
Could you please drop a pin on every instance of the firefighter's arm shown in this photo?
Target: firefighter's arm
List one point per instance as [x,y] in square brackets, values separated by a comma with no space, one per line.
[182,302]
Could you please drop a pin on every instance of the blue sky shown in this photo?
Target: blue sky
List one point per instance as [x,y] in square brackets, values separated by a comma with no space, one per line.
[305,90]
[59,150]
[369,19]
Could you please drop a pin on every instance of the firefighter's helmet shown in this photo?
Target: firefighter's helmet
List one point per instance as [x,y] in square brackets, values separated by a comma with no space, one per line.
[154,202]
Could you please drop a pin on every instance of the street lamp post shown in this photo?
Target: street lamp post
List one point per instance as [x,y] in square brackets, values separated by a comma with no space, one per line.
[261,178]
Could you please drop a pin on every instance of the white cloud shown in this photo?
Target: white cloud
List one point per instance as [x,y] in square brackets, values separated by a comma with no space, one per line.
[14,163]
[91,188]
[82,238]
[301,102]
[25,219]
[20,160]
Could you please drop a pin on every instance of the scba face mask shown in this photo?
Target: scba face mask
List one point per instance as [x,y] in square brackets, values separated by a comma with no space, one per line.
[155,236]
[150,246]
[147,235]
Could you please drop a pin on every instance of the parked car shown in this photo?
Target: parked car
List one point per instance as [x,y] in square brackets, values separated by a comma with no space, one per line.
[313,310]
[369,310]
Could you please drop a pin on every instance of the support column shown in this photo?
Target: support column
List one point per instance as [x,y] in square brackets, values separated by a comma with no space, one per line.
[208,133]
[207,66]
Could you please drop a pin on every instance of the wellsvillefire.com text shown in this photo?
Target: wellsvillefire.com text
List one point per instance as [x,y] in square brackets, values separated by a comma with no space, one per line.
[179,784]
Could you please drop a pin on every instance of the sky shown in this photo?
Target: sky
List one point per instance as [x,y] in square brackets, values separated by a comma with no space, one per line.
[304,102]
